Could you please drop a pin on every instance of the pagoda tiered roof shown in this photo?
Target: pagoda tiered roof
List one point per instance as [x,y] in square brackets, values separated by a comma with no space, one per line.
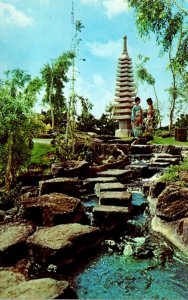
[125,90]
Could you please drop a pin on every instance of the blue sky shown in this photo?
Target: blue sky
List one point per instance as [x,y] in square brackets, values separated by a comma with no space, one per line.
[33,32]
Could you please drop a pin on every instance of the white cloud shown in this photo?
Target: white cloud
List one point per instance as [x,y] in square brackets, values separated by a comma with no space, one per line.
[115,7]
[95,2]
[98,80]
[109,49]
[102,95]
[112,7]
[12,16]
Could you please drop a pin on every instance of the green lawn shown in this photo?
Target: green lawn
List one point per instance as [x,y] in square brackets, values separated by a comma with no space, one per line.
[168,141]
[40,153]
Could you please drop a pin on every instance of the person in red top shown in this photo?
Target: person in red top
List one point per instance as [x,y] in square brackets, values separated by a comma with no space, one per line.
[149,123]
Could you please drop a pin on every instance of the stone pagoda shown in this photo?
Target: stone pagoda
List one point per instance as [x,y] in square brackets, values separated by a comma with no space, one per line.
[124,93]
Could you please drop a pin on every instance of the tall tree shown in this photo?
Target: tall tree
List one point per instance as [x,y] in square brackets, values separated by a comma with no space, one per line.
[17,122]
[143,75]
[74,97]
[54,77]
[168,22]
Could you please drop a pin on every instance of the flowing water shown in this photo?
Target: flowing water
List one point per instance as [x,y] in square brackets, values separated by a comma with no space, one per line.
[140,265]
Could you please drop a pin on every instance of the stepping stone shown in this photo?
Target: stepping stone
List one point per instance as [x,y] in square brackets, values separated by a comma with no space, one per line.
[13,285]
[159,164]
[53,209]
[115,198]
[64,244]
[165,155]
[89,183]
[110,186]
[118,173]
[110,218]
[13,238]
[141,149]
[69,186]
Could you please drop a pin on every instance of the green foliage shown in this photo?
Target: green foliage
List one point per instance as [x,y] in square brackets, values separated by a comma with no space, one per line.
[182,121]
[172,172]
[18,123]
[167,141]
[54,77]
[40,154]
[167,20]
[8,199]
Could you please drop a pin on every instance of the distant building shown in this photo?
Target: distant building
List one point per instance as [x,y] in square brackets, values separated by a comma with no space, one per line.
[124,93]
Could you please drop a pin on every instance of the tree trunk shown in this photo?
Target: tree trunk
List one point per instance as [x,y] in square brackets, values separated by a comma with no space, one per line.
[157,102]
[174,92]
[8,174]
[50,101]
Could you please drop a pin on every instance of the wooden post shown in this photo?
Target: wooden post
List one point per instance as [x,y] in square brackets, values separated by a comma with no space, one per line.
[181,134]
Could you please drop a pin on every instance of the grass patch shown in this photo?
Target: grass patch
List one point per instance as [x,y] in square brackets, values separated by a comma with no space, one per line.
[172,172]
[167,141]
[40,154]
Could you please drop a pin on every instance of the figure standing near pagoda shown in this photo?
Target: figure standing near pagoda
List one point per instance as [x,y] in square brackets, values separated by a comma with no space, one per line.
[137,118]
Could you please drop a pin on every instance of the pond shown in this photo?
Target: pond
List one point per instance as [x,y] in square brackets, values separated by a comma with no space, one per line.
[115,276]
[136,265]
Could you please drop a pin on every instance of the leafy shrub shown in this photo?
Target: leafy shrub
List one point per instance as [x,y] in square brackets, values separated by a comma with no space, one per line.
[172,172]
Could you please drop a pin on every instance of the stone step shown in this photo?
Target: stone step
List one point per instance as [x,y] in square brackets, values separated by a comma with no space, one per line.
[115,198]
[141,149]
[89,183]
[168,160]
[165,155]
[110,218]
[65,185]
[13,285]
[159,164]
[13,238]
[53,209]
[118,173]
[63,244]
[111,186]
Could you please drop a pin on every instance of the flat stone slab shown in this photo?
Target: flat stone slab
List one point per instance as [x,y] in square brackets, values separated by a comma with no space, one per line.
[53,209]
[115,198]
[69,186]
[89,183]
[165,155]
[14,286]
[141,149]
[118,173]
[13,238]
[110,218]
[9,279]
[109,186]
[63,244]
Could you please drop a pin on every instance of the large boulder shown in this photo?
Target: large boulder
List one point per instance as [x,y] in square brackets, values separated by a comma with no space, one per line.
[121,175]
[176,232]
[156,188]
[111,218]
[13,238]
[69,186]
[63,245]
[116,198]
[14,286]
[172,203]
[71,168]
[53,209]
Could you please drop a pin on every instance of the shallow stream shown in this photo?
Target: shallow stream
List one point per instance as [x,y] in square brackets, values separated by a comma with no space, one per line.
[140,265]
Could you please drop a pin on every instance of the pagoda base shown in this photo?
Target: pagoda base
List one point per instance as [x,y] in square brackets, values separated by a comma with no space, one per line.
[121,133]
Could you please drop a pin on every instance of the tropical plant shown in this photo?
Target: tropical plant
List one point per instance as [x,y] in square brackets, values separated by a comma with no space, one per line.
[167,20]
[143,75]
[18,124]
[54,76]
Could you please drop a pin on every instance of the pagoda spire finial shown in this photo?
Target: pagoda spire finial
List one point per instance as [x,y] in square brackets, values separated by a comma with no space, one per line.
[125,45]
